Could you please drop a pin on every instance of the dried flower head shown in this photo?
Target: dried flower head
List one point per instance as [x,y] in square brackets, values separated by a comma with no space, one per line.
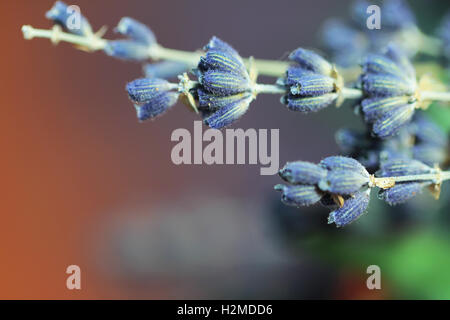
[225,88]
[389,84]
[151,97]
[335,182]
[312,82]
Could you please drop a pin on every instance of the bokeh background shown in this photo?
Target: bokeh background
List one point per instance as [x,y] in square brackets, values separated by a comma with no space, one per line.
[84,183]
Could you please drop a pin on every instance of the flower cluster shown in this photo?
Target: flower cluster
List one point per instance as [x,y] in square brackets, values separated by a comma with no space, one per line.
[400,151]
[422,140]
[223,92]
[348,42]
[403,191]
[225,88]
[312,83]
[344,185]
[389,85]
[337,182]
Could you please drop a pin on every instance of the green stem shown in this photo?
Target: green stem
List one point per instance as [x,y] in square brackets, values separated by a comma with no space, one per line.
[435,96]
[445,175]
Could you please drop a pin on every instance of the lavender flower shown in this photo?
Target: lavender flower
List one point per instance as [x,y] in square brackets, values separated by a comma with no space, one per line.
[403,167]
[302,172]
[299,195]
[348,42]
[225,89]
[352,209]
[402,192]
[312,82]
[138,44]
[61,14]
[136,31]
[389,85]
[335,182]
[151,97]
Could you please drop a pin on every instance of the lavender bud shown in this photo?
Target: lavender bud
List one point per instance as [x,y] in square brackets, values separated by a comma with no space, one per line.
[390,122]
[229,113]
[401,192]
[299,195]
[223,83]
[302,172]
[343,182]
[151,97]
[312,85]
[343,163]
[311,61]
[156,106]
[136,31]
[144,89]
[346,44]
[375,108]
[402,167]
[352,209]
[127,50]
[61,14]
[386,85]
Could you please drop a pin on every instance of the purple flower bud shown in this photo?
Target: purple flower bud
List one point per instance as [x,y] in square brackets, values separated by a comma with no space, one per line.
[352,209]
[309,60]
[229,113]
[62,14]
[309,104]
[312,85]
[156,106]
[343,163]
[375,108]
[224,83]
[299,195]
[390,123]
[401,192]
[136,31]
[344,182]
[402,167]
[302,172]
[127,50]
[386,85]
[151,97]
[143,90]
